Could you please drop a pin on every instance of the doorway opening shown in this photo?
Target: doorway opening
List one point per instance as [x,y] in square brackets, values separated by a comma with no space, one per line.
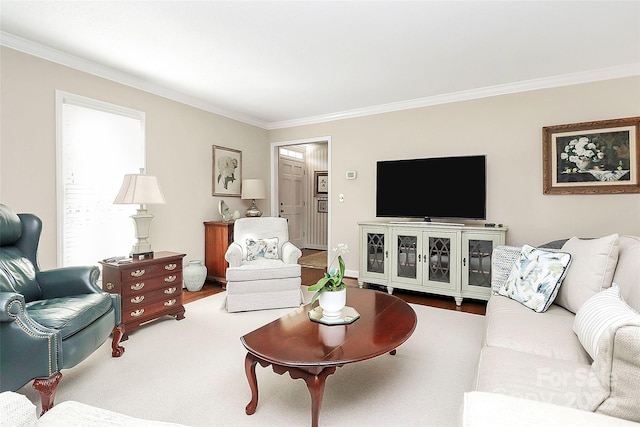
[294,194]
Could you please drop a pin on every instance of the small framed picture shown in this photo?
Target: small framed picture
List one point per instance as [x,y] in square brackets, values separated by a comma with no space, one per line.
[227,171]
[600,157]
[322,206]
[321,183]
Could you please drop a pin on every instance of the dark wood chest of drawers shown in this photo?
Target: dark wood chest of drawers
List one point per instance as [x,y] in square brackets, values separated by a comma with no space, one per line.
[217,238]
[148,288]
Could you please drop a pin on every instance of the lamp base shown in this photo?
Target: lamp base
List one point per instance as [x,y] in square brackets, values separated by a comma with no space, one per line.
[253,210]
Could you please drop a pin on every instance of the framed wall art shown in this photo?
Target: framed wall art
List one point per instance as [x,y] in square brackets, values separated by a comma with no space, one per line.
[321,180]
[600,157]
[323,206]
[227,171]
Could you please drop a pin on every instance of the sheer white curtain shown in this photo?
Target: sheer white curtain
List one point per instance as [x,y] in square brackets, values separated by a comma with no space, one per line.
[98,143]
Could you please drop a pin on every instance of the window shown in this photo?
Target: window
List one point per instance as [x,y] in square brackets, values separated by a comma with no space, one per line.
[97,144]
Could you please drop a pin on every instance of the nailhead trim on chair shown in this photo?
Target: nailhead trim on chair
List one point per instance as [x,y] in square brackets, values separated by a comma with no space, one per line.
[47,335]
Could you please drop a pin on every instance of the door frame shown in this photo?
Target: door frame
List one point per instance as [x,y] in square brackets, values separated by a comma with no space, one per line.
[274,176]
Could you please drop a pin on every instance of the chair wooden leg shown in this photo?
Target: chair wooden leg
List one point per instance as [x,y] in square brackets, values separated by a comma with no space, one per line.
[47,388]
[116,349]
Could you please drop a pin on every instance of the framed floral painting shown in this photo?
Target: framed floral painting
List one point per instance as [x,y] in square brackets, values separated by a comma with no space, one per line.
[227,171]
[600,157]
[321,187]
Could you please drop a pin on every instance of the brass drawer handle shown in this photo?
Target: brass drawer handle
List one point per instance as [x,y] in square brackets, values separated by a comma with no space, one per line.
[169,303]
[110,285]
[170,267]
[170,279]
[138,299]
[137,273]
[137,313]
[137,286]
[169,290]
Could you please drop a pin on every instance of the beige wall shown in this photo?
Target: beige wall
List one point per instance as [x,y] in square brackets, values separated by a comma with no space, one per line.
[508,129]
[179,140]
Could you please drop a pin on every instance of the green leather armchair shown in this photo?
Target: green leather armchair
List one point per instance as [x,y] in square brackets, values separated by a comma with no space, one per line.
[49,320]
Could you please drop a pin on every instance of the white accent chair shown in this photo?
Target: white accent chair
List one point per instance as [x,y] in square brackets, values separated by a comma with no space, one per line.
[263,272]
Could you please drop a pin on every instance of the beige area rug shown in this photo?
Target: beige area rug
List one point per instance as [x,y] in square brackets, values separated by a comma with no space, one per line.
[192,372]
[317,260]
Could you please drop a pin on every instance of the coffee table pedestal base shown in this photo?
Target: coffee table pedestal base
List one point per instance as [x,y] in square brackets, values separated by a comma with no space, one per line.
[314,377]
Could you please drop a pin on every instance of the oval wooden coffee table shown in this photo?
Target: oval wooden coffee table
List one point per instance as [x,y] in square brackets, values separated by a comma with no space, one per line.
[312,351]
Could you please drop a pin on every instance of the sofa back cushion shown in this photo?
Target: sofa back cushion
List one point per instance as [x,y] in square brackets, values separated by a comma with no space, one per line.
[593,262]
[627,274]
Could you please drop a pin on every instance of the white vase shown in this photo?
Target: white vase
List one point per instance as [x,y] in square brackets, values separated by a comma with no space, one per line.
[332,336]
[332,304]
[194,275]
[583,164]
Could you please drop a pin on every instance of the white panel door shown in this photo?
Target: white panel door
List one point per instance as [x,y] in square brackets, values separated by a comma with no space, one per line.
[291,194]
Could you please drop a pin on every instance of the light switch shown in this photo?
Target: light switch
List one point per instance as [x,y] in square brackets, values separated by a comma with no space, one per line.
[341,198]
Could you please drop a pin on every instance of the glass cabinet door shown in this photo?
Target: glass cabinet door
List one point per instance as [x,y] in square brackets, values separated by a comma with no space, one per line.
[406,266]
[374,262]
[375,253]
[479,259]
[440,260]
[476,262]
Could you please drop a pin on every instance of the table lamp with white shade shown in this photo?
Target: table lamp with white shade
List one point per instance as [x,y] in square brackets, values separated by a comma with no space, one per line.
[253,189]
[141,189]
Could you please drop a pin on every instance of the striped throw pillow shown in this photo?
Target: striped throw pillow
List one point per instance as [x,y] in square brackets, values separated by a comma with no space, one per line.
[600,313]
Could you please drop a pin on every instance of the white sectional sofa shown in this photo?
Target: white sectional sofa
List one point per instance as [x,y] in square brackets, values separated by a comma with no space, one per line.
[583,366]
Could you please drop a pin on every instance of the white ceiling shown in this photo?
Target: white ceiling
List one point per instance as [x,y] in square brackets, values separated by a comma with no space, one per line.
[277,64]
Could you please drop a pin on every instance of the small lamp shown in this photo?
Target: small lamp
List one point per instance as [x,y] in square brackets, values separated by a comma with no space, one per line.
[253,189]
[143,190]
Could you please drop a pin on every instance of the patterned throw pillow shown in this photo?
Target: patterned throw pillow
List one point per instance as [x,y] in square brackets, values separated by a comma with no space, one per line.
[262,248]
[535,277]
[598,317]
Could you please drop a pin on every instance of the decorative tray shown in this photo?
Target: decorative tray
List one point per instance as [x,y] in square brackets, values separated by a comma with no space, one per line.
[349,315]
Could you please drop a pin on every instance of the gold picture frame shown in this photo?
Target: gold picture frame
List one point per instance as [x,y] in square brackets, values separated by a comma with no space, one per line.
[599,157]
[226,171]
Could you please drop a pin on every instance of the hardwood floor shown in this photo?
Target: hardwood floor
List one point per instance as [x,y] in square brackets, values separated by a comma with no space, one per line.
[311,275]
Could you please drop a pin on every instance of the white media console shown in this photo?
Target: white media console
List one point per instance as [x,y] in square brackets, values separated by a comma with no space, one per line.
[443,259]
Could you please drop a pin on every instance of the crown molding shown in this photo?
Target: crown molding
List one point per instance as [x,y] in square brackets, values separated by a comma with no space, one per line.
[628,70]
[59,57]
[53,55]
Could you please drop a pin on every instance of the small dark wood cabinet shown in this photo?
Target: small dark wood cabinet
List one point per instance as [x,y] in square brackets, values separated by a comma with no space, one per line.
[218,236]
[148,288]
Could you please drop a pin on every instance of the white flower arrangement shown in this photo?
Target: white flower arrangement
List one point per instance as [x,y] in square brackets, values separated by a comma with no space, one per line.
[332,280]
[227,166]
[581,150]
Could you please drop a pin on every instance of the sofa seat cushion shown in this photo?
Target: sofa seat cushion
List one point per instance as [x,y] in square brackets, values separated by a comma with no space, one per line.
[262,269]
[263,294]
[70,314]
[531,376]
[513,326]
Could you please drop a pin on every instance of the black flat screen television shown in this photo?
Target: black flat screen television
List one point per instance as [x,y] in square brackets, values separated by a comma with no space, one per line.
[438,187]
